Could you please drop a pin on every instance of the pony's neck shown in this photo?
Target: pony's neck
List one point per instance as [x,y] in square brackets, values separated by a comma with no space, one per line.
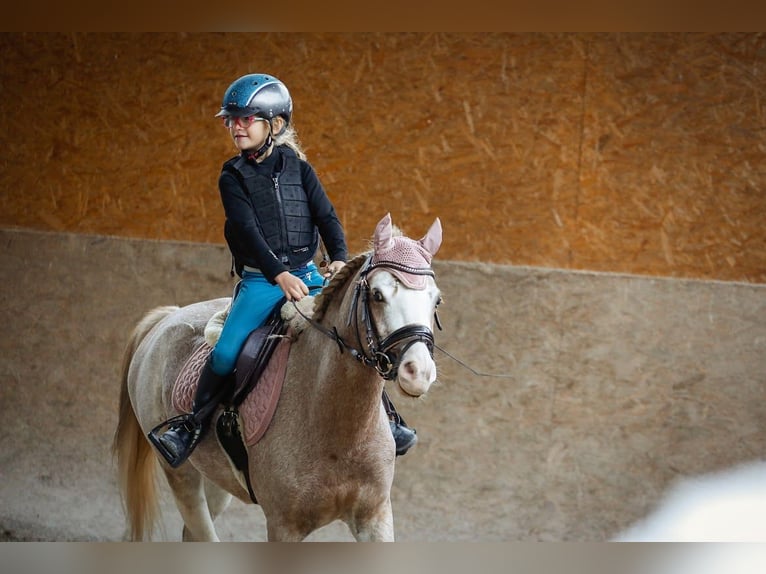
[343,385]
[344,392]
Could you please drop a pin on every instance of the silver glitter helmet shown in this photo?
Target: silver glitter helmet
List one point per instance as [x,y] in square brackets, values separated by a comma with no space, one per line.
[258,95]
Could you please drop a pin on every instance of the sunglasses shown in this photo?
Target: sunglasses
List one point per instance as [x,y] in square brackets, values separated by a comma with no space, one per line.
[243,122]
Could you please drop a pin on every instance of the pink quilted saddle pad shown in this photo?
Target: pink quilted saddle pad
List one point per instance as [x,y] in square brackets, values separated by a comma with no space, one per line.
[258,408]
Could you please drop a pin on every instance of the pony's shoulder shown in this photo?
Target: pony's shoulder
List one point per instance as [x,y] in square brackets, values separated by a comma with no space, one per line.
[296,314]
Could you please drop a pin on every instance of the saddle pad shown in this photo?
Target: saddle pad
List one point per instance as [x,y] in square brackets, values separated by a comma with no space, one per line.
[257,409]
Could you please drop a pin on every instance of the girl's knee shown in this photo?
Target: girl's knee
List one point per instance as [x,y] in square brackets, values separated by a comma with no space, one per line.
[223,360]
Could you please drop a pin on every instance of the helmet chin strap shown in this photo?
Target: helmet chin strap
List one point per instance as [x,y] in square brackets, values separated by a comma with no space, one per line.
[255,155]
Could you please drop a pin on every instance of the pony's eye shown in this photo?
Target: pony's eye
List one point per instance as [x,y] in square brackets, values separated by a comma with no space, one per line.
[377,296]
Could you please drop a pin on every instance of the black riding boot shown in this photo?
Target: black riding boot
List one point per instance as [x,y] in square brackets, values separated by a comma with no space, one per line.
[184,432]
[404,437]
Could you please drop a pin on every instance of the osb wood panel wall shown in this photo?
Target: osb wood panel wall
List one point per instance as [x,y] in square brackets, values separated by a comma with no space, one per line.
[638,153]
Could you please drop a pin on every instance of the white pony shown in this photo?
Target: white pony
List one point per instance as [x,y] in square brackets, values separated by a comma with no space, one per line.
[328,453]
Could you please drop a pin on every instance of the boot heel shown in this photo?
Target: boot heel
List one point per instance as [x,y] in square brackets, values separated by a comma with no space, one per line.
[404,437]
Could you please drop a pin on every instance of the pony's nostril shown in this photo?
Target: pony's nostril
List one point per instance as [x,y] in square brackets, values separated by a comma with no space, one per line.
[411,369]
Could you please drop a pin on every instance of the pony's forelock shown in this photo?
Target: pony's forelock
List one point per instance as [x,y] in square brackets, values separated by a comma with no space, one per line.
[395,232]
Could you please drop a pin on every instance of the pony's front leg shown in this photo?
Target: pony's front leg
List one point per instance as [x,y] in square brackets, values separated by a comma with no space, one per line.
[282,532]
[375,527]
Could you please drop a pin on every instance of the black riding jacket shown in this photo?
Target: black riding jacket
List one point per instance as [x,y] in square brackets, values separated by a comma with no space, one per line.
[275,213]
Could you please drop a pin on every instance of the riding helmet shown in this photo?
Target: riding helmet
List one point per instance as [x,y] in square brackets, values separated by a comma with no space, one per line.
[257,95]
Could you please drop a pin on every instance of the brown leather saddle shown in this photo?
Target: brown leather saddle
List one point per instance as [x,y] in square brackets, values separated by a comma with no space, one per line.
[253,388]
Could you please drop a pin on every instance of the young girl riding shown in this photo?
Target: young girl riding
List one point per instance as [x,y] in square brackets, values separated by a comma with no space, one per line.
[276,212]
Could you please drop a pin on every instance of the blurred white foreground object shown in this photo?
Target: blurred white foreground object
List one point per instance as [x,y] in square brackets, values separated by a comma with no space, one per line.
[727,506]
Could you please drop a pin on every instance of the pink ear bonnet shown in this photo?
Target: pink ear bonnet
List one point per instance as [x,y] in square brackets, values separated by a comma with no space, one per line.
[405,253]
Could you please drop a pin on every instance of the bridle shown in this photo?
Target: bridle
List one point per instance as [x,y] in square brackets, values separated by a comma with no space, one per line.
[384,355]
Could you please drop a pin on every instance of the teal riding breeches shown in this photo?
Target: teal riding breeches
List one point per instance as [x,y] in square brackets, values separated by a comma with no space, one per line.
[254,301]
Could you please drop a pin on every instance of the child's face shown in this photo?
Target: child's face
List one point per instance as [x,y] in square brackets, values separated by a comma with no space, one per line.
[249,137]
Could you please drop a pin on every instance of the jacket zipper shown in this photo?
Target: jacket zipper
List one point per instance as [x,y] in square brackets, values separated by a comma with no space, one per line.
[282,221]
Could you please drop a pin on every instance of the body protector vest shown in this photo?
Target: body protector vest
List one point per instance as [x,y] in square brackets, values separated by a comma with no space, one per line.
[281,210]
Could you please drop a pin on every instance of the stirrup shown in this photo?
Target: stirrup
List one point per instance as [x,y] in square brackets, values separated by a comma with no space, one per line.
[187,423]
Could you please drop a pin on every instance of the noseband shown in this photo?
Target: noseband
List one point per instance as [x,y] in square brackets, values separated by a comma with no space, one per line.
[384,355]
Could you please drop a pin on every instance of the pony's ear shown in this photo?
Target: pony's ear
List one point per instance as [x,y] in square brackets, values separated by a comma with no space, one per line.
[383,234]
[433,239]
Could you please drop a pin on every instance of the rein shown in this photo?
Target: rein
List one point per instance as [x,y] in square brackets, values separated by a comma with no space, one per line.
[384,355]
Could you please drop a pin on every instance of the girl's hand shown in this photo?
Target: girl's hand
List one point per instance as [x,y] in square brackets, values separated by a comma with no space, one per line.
[334,267]
[293,288]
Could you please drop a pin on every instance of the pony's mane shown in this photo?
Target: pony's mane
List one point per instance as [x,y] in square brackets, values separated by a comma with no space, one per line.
[322,301]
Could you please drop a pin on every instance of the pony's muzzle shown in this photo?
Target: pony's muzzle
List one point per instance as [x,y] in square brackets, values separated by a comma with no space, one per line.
[417,370]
